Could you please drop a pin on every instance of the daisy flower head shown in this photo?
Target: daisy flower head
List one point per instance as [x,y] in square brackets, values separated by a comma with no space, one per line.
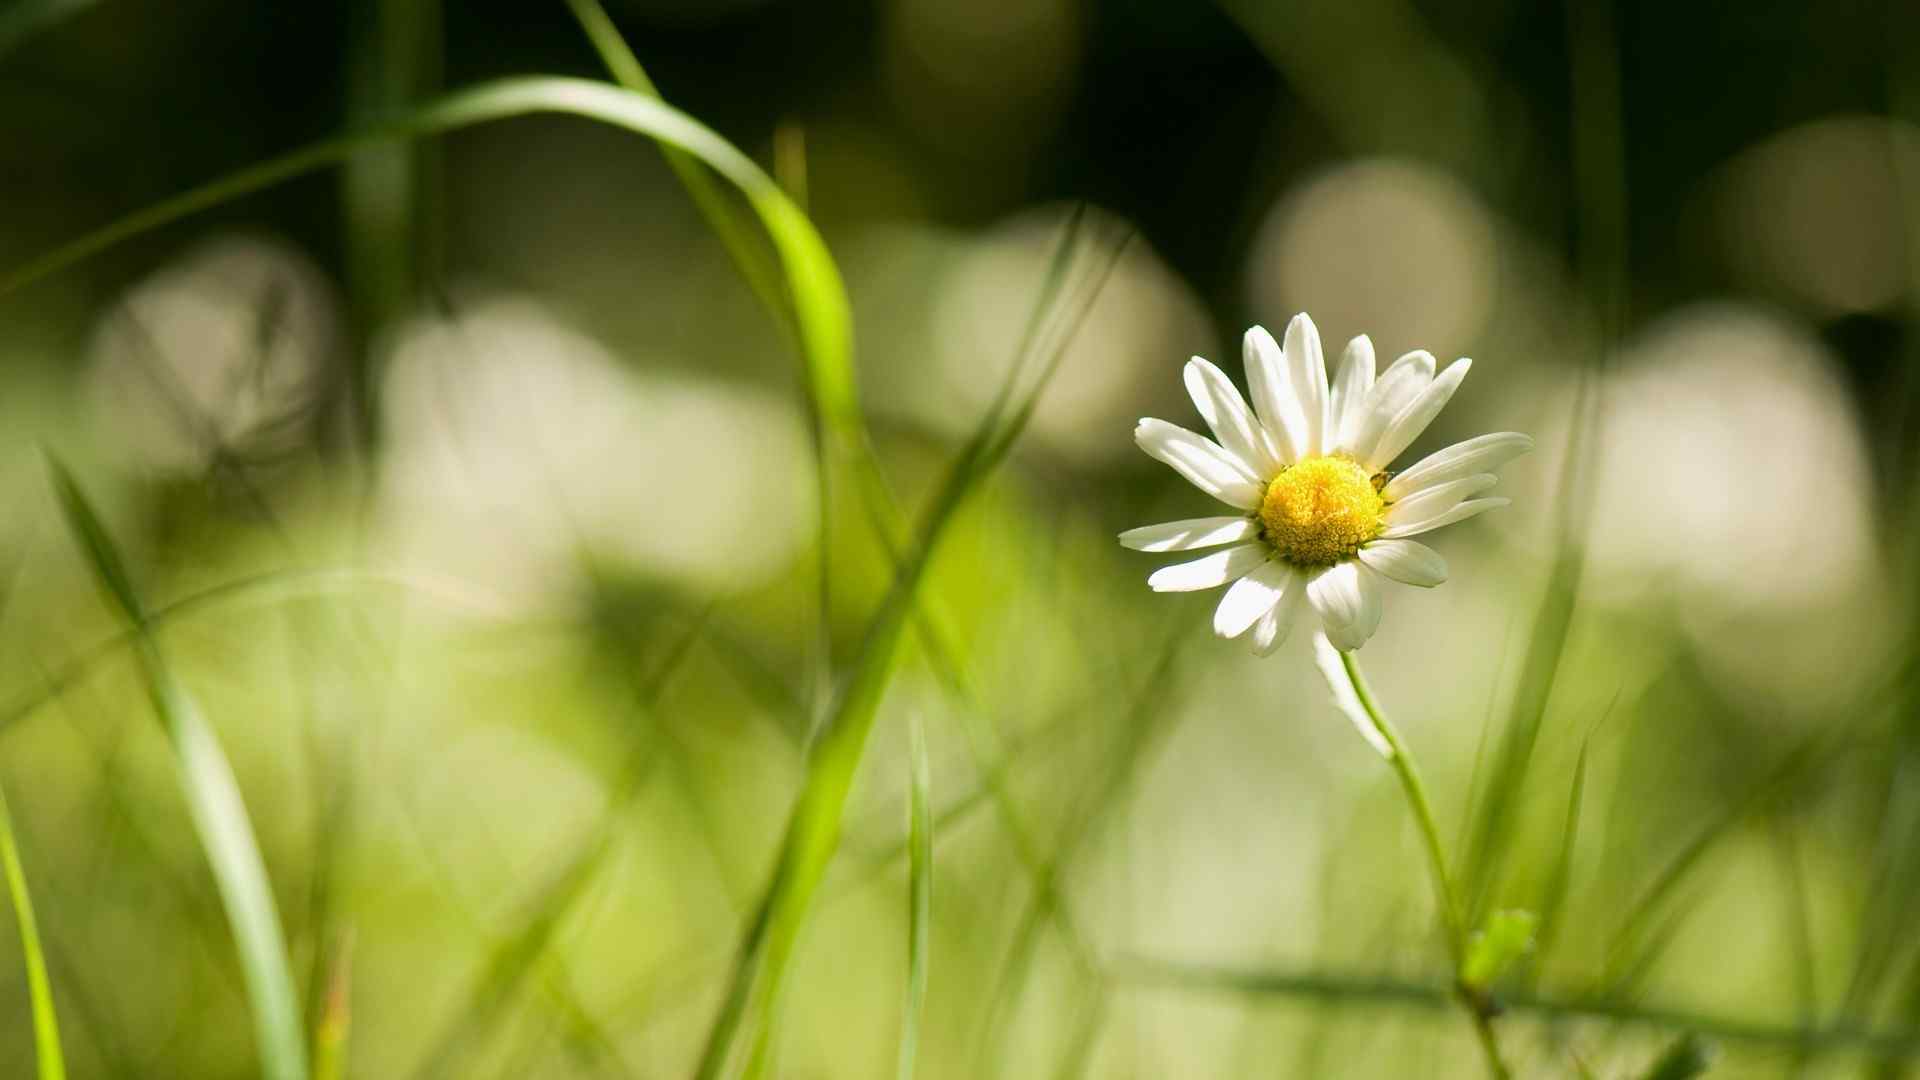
[1319,520]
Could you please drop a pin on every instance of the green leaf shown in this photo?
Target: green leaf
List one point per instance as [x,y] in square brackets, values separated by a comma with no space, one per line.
[46,1030]
[213,802]
[1496,946]
[1688,1056]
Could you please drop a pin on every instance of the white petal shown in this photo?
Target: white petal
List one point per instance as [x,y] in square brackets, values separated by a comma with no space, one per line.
[1191,534]
[1226,412]
[1418,414]
[1459,513]
[1253,596]
[1438,499]
[1272,396]
[1202,461]
[1348,601]
[1272,628]
[1209,571]
[1307,370]
[1351,384]
[1407,561]
[1393,391]
[1345,698]
[1484,454]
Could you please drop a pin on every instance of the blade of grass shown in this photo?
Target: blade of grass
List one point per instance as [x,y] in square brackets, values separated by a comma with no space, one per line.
[919,895]
[1557,886]
[46,1027]
[734,233]
[1627,940]
[393,60]
[813,828]
[213,801]
[1600,195]
[934,629]
[822,317]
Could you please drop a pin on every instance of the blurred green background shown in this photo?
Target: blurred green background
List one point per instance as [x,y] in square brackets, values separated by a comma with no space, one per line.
[478,492]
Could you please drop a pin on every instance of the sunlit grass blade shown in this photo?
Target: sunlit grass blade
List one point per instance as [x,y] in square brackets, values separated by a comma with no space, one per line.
[919,894]
[213,802]
[46,1027]
[813,828]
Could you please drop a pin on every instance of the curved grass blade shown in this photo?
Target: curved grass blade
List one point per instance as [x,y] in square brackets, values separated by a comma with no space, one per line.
[736,235]
[213,802]
[823,318]
[46,1028]
[919,895]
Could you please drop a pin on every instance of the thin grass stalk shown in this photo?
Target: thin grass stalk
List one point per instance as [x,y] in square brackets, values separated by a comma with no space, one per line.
[813,829]
[50,1063]
[920,826]
[1600,196]
[214,804]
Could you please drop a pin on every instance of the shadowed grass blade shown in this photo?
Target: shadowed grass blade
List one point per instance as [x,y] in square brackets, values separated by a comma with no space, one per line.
[919,895]
[1389,992]
[1685,1059]
[213,802]
[46,1029]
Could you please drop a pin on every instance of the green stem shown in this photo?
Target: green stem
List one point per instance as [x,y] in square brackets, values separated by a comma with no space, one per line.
[1478,1008]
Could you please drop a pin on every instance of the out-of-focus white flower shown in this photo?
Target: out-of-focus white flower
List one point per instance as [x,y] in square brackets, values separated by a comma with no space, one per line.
[1320,519]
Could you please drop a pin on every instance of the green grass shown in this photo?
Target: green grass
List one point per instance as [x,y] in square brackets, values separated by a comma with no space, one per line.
[46,1025]
[213,801]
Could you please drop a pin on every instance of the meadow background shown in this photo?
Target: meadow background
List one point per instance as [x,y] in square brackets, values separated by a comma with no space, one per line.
[535,567]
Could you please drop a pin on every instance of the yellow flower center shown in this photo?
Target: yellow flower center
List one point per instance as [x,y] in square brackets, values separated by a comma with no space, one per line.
[1320,510]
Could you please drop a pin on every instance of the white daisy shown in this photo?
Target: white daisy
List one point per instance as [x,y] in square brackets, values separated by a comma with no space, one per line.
[1320,519]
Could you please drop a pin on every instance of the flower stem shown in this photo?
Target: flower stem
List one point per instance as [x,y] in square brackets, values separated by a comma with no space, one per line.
[1479,1008]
